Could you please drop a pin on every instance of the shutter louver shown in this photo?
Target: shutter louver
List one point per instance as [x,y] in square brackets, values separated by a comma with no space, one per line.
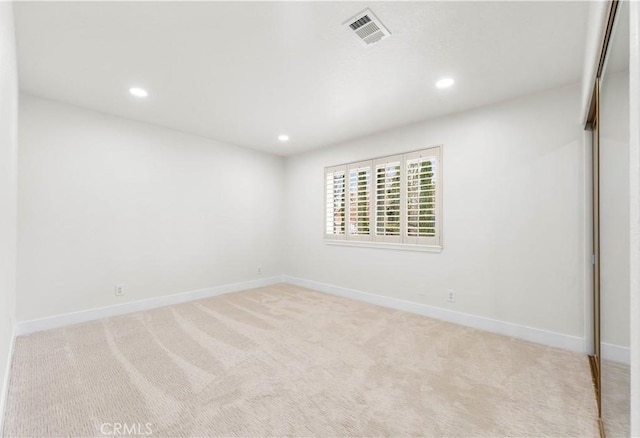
[359,201]
[421,198]
[388,204]
[335,202]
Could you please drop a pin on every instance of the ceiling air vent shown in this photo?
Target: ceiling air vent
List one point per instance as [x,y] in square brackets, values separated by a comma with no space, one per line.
[367,27]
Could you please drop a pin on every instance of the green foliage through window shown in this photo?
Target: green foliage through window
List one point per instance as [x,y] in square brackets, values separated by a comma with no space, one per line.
[421,196]
[388,199]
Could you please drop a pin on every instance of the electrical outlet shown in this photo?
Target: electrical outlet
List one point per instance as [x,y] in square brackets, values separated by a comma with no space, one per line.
[451,296]
[259,269]
[421,294]
[119,290]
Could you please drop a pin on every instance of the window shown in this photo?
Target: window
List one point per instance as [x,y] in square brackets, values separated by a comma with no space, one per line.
[391,201]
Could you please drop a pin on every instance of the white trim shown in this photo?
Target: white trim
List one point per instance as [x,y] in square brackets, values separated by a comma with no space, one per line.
[553,339]
[385,245]
[615,353]
[36,325]
[5,381]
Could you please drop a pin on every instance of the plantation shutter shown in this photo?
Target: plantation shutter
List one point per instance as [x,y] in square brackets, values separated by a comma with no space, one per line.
[388,199]
[359,201]
[393,201]
[335,202]
[422,202]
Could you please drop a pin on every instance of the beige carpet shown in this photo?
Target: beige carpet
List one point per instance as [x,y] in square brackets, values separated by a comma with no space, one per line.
[282,361]
[616,399]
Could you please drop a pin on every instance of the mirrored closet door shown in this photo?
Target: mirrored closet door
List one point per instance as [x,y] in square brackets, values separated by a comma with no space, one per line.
[614,328]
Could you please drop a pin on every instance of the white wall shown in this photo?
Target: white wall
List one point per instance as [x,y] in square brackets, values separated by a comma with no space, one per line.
[106,201]
[597,25]
[513,215]
[614,209]
[8,175]
[596,28]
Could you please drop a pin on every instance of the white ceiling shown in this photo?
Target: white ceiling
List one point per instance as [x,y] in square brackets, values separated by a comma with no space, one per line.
[243,73]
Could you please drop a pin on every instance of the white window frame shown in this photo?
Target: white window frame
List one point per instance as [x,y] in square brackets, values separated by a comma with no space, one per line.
[403,241]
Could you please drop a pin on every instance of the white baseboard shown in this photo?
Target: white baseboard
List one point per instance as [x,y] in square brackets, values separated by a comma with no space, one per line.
[36,325]
[553,339]
[615,353]
[5,381]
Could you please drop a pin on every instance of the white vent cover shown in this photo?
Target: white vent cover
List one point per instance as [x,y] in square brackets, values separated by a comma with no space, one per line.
[367,28]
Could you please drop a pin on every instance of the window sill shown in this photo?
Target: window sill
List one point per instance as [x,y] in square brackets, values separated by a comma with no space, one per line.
[383,245]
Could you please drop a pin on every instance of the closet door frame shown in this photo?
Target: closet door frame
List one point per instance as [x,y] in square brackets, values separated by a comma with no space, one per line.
[593,125]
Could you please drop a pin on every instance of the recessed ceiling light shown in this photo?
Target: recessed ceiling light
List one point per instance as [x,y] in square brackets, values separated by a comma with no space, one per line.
[138,92]
[283,137]
[445,83]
